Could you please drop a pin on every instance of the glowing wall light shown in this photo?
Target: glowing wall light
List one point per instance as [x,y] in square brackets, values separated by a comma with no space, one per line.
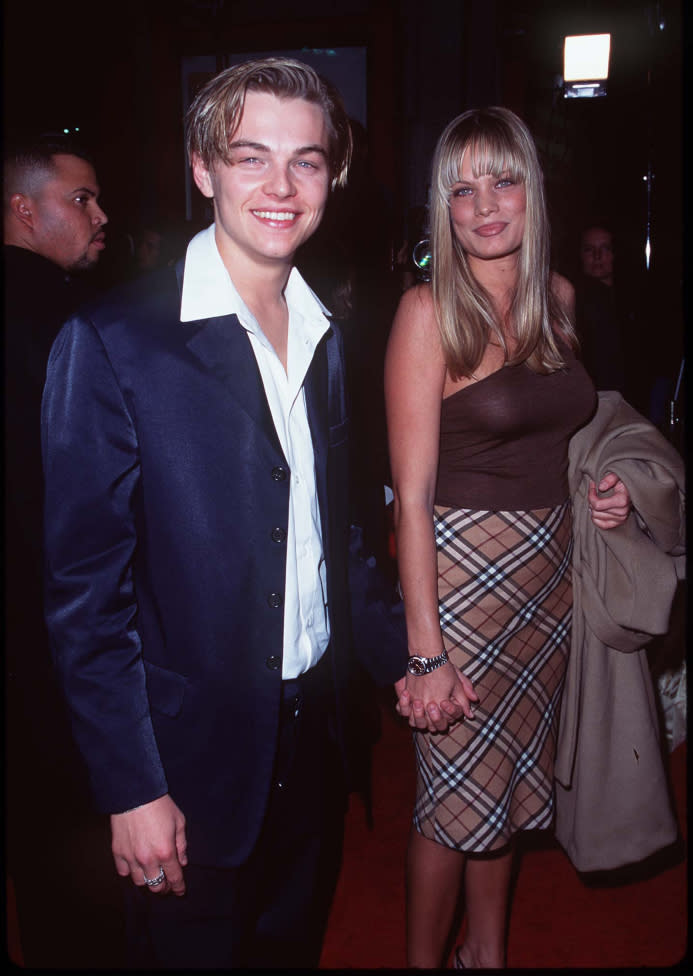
[586,65]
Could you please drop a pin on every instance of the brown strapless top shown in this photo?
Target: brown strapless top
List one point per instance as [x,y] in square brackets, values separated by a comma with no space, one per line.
[504,439]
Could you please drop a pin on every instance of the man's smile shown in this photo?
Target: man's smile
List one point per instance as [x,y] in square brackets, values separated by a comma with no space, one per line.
[282,215]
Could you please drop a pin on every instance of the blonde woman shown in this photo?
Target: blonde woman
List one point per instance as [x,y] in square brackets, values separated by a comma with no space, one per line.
[483,393]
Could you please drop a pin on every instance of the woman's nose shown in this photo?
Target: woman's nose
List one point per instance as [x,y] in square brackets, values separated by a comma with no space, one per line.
[485,203]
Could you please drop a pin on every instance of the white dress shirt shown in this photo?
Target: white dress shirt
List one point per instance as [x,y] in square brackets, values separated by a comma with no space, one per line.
[208,292]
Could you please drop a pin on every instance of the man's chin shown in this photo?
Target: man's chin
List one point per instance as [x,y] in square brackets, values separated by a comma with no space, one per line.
[85,263]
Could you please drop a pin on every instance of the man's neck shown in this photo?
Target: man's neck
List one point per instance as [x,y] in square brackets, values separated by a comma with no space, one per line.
[258,281]
[262,290]
[39,257]
[261,285]
[259,288]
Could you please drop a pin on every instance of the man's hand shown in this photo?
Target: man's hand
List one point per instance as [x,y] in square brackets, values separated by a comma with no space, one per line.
[437,700]
[608,511]
[149,839]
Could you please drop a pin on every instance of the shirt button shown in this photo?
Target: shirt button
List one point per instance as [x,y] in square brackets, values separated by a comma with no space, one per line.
[278,535]
[279,473]
[275,600]
[273,663]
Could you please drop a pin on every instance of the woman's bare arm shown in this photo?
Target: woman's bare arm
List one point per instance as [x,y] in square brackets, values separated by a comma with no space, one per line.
[414,378]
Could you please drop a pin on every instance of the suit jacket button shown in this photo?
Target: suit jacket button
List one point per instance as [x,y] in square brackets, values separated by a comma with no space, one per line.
[273,663]
[279,473]
[278,534]
[275,600]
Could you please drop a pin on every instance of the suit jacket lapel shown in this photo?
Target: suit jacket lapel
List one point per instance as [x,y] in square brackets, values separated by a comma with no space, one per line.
[222,345]
[223,348]
[318,418]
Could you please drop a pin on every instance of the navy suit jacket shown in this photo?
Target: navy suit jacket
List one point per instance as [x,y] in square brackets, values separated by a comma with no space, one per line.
[167,497]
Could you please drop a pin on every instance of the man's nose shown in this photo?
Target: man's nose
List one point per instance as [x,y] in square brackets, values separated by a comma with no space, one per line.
[279,182]
[98,216]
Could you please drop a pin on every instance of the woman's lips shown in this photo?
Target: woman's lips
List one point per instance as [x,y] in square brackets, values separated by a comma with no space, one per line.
[490,230]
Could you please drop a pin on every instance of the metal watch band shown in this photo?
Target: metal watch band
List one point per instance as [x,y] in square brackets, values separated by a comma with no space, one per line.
[418,665]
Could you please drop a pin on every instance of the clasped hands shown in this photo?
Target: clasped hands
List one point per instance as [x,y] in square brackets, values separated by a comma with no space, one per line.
[436,701]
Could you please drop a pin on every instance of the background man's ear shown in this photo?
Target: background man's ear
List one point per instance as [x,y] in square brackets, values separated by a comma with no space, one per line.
[203,180]
[22,208]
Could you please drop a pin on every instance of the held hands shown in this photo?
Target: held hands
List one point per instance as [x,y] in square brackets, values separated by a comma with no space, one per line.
[148,840]
[611,510]
[437,700]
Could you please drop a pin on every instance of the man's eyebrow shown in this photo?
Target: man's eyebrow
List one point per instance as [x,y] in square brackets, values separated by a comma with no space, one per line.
[302,150]
[260,147]
[85,189]
[247,144]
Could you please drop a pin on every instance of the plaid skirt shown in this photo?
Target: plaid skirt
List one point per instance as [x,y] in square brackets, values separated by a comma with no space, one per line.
[505,601]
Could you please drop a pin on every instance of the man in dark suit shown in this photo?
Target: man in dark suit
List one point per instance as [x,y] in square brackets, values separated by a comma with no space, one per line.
[53,232]
[195,451]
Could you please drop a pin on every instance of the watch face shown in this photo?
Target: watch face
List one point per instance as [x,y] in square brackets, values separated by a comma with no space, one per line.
[416,666]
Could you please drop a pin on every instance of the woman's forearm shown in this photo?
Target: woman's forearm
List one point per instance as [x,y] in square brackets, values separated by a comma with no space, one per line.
[418,574]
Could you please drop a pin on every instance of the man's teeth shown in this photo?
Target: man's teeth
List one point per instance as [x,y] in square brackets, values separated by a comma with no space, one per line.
[271,215]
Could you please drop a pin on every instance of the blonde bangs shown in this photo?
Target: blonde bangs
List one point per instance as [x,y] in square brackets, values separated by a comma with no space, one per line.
[491,154]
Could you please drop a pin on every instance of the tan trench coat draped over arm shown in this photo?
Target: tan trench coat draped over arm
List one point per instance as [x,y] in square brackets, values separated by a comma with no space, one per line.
[612,802]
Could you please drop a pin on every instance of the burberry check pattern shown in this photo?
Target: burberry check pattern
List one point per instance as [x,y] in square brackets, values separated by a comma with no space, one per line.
[505,599]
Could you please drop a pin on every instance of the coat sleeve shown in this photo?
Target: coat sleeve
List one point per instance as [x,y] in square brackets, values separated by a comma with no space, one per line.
[377,613]
[92,471]
[377,630]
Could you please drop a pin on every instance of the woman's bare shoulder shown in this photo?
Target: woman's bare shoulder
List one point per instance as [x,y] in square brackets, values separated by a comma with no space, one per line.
[418,297]
[562,289]
[416,310]
[414,338]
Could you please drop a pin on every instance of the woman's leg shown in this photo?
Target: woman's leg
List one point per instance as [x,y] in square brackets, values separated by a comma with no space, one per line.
[487,887]
[434,875]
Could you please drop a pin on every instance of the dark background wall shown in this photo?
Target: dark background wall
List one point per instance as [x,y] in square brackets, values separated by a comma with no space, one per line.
[114,70]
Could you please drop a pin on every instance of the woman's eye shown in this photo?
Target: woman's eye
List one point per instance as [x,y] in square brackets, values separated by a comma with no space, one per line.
[462,191]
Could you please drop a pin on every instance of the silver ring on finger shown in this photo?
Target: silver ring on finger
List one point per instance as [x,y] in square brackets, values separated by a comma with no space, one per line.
[155,882]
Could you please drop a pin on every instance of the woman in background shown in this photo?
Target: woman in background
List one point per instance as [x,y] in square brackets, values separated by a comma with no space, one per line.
[483,392]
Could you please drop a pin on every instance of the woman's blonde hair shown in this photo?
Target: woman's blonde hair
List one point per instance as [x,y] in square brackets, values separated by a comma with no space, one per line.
[498,143]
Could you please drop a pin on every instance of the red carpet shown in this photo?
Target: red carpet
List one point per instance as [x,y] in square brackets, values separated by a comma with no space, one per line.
[560,919]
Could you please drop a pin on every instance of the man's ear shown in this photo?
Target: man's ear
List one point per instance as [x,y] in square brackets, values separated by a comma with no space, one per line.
[22,208]
[201,175]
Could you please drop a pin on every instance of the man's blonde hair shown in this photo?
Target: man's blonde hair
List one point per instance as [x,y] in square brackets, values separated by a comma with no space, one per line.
[215,113]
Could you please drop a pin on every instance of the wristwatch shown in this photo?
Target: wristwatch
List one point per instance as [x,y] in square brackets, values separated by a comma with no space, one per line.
[418,665]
